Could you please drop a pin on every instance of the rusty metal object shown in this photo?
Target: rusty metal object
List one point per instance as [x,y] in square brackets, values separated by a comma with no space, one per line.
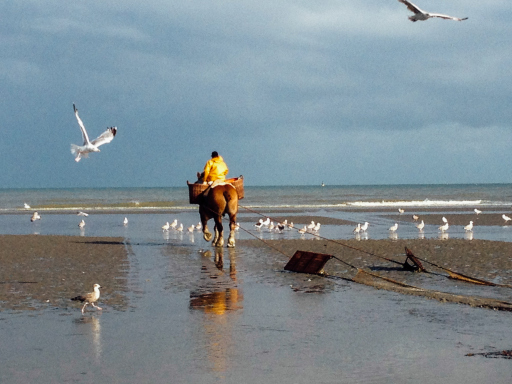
[412,263]
[307,262]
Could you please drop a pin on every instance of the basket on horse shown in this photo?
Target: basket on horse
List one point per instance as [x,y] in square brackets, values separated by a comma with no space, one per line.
[195,190]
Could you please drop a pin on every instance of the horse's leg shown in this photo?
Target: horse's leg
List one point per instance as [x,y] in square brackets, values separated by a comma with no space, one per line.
[232,226]
[232,211]
[218,231]
[204,221]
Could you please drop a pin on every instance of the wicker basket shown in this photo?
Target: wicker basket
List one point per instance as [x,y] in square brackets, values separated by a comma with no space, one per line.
[195,190]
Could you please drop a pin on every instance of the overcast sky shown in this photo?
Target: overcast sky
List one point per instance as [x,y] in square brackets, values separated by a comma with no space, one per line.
[288,92]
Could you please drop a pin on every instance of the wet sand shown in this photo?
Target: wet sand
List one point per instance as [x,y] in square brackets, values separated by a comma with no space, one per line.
[48,270]
[224,314]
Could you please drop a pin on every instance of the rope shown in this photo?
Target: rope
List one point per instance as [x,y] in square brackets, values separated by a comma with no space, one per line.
[336,242]
[452,274]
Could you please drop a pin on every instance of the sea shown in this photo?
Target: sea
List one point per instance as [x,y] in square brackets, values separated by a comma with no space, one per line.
[148,209]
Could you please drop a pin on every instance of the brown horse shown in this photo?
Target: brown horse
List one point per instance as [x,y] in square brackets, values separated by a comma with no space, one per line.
[214,203]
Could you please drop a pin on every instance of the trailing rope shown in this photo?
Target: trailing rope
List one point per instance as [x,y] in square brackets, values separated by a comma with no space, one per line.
[452,274]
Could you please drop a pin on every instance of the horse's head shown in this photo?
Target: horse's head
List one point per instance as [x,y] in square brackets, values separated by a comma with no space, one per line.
[200,178]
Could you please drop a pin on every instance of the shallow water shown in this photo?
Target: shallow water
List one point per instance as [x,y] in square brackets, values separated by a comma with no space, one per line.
[196,317]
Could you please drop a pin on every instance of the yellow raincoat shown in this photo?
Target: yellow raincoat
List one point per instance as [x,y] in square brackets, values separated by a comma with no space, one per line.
[215,169]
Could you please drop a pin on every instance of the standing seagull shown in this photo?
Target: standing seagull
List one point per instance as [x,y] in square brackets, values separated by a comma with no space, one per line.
[469,227]
[125,221]
[506,218]
[444,227]
[90,146]
[89,298]
[393,228]
[420,15]
[421,225]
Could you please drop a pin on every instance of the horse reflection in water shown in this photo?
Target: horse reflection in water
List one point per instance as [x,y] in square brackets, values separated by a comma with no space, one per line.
[219,299]
[216,202]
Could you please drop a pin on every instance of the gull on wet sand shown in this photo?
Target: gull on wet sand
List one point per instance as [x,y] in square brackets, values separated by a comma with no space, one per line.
[199,226]
[421,225]
[400,210]
[89,298]
[415,217]
[303,230]
[506,218]
[90,146]
[420,15]
[477,211]
[469,227]
[174,224]
[26,206]
[125,221]
[444,220]
[191,228]
[364,227]
[35,216]
[393,228]
[444,227]
[81,224]
[357,229]
[166,226]
[311,225]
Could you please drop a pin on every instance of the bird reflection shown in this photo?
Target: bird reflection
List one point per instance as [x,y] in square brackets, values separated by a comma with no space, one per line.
[393,236]
[421,235]
[90,326]
[468,235]
[444,236]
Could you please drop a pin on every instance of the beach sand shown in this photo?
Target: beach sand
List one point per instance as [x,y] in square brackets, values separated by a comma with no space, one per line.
[196,319]
[49,270]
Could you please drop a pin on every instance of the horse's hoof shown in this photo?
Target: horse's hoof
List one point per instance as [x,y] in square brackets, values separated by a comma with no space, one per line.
[207,236]
[219,243]
[231,245]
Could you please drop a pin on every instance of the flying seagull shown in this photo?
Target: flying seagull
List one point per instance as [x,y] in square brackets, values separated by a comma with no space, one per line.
[35,217]
[89,298]
[420,15]
[90,146]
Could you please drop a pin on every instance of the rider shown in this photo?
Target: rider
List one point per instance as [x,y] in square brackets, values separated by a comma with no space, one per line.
[215,169]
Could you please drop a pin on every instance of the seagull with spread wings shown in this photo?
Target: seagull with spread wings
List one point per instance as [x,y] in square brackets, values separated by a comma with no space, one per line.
[420,15]
[90,146]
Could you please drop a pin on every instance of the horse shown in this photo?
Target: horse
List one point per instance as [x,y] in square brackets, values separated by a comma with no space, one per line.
[216,202]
